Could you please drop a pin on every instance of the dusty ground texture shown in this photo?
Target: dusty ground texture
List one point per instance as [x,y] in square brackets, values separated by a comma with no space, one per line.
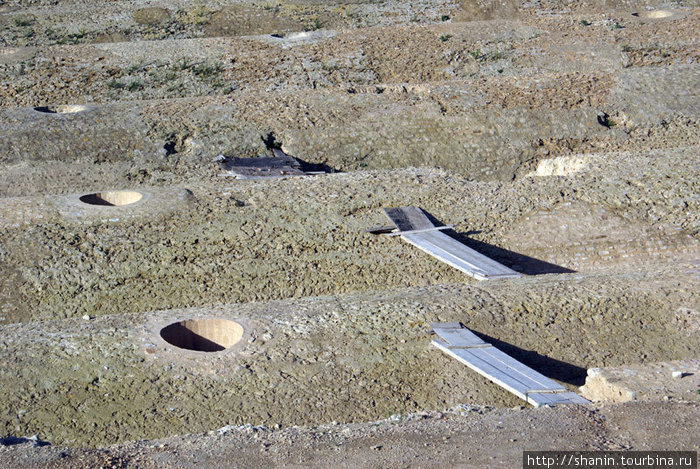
[463,437]
[559,138]
[340,358]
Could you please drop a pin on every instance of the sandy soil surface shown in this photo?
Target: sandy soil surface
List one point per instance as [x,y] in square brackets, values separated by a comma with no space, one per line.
[469,437]
[340,358]
[559,138]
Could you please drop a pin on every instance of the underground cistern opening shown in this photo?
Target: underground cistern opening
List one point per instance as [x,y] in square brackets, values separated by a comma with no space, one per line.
[62,109]
[654,14]
[203,335]
[112,198]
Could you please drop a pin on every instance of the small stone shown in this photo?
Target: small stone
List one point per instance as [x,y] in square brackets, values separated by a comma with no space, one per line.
[667,398]
[677,374]
[86,317]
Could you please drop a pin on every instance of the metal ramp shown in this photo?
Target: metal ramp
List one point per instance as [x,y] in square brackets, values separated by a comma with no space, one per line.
[415,227]
[482,357]
[281,165]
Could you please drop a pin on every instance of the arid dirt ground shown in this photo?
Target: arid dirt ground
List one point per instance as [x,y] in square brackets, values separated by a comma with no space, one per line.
[560,138]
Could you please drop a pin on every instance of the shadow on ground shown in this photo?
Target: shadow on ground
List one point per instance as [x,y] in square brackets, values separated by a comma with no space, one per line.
[308,167]
[550,367]
[519,262]
[14,440]
[274,146]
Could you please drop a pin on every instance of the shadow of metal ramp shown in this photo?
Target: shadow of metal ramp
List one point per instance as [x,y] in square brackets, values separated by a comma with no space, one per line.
[416,228]
[482,357]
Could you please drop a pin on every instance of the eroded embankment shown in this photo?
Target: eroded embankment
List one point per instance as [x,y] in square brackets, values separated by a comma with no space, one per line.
[305,362]
[253,241]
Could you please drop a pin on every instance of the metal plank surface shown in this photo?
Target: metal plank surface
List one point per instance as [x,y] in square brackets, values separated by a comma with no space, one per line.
[264,163]
[531,379]
[500,368]
[497,372]
[568,397]
[416,228]
[467,346]
[408,218]
[434,228]
[517,384]
[459,256]
[539,381]
[455,335]
[280,165]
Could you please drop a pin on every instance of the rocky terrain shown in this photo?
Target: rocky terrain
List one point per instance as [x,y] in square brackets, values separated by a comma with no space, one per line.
[560,138]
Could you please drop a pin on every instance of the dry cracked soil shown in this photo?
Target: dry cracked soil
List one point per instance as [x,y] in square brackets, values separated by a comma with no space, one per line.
[559,138]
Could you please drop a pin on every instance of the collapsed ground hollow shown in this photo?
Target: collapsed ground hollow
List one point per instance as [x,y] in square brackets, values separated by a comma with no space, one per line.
[112,198]
[63,109]
[203,335]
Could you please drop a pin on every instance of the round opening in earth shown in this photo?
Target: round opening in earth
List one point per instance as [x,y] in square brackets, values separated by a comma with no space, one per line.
[203,335]
[112,198]
[63,109]
[655,14]
[301,35]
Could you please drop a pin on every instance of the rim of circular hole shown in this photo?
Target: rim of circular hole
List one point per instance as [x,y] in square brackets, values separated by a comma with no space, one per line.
[654,14]
[303,35]
[206,335]
[62,109]
[112,198]
[9,50]
[298,35]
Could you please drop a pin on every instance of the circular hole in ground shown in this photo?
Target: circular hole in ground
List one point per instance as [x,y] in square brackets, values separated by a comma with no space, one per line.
[112,198]
[296,36]
[655,14]
[63,109]
[203,335]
